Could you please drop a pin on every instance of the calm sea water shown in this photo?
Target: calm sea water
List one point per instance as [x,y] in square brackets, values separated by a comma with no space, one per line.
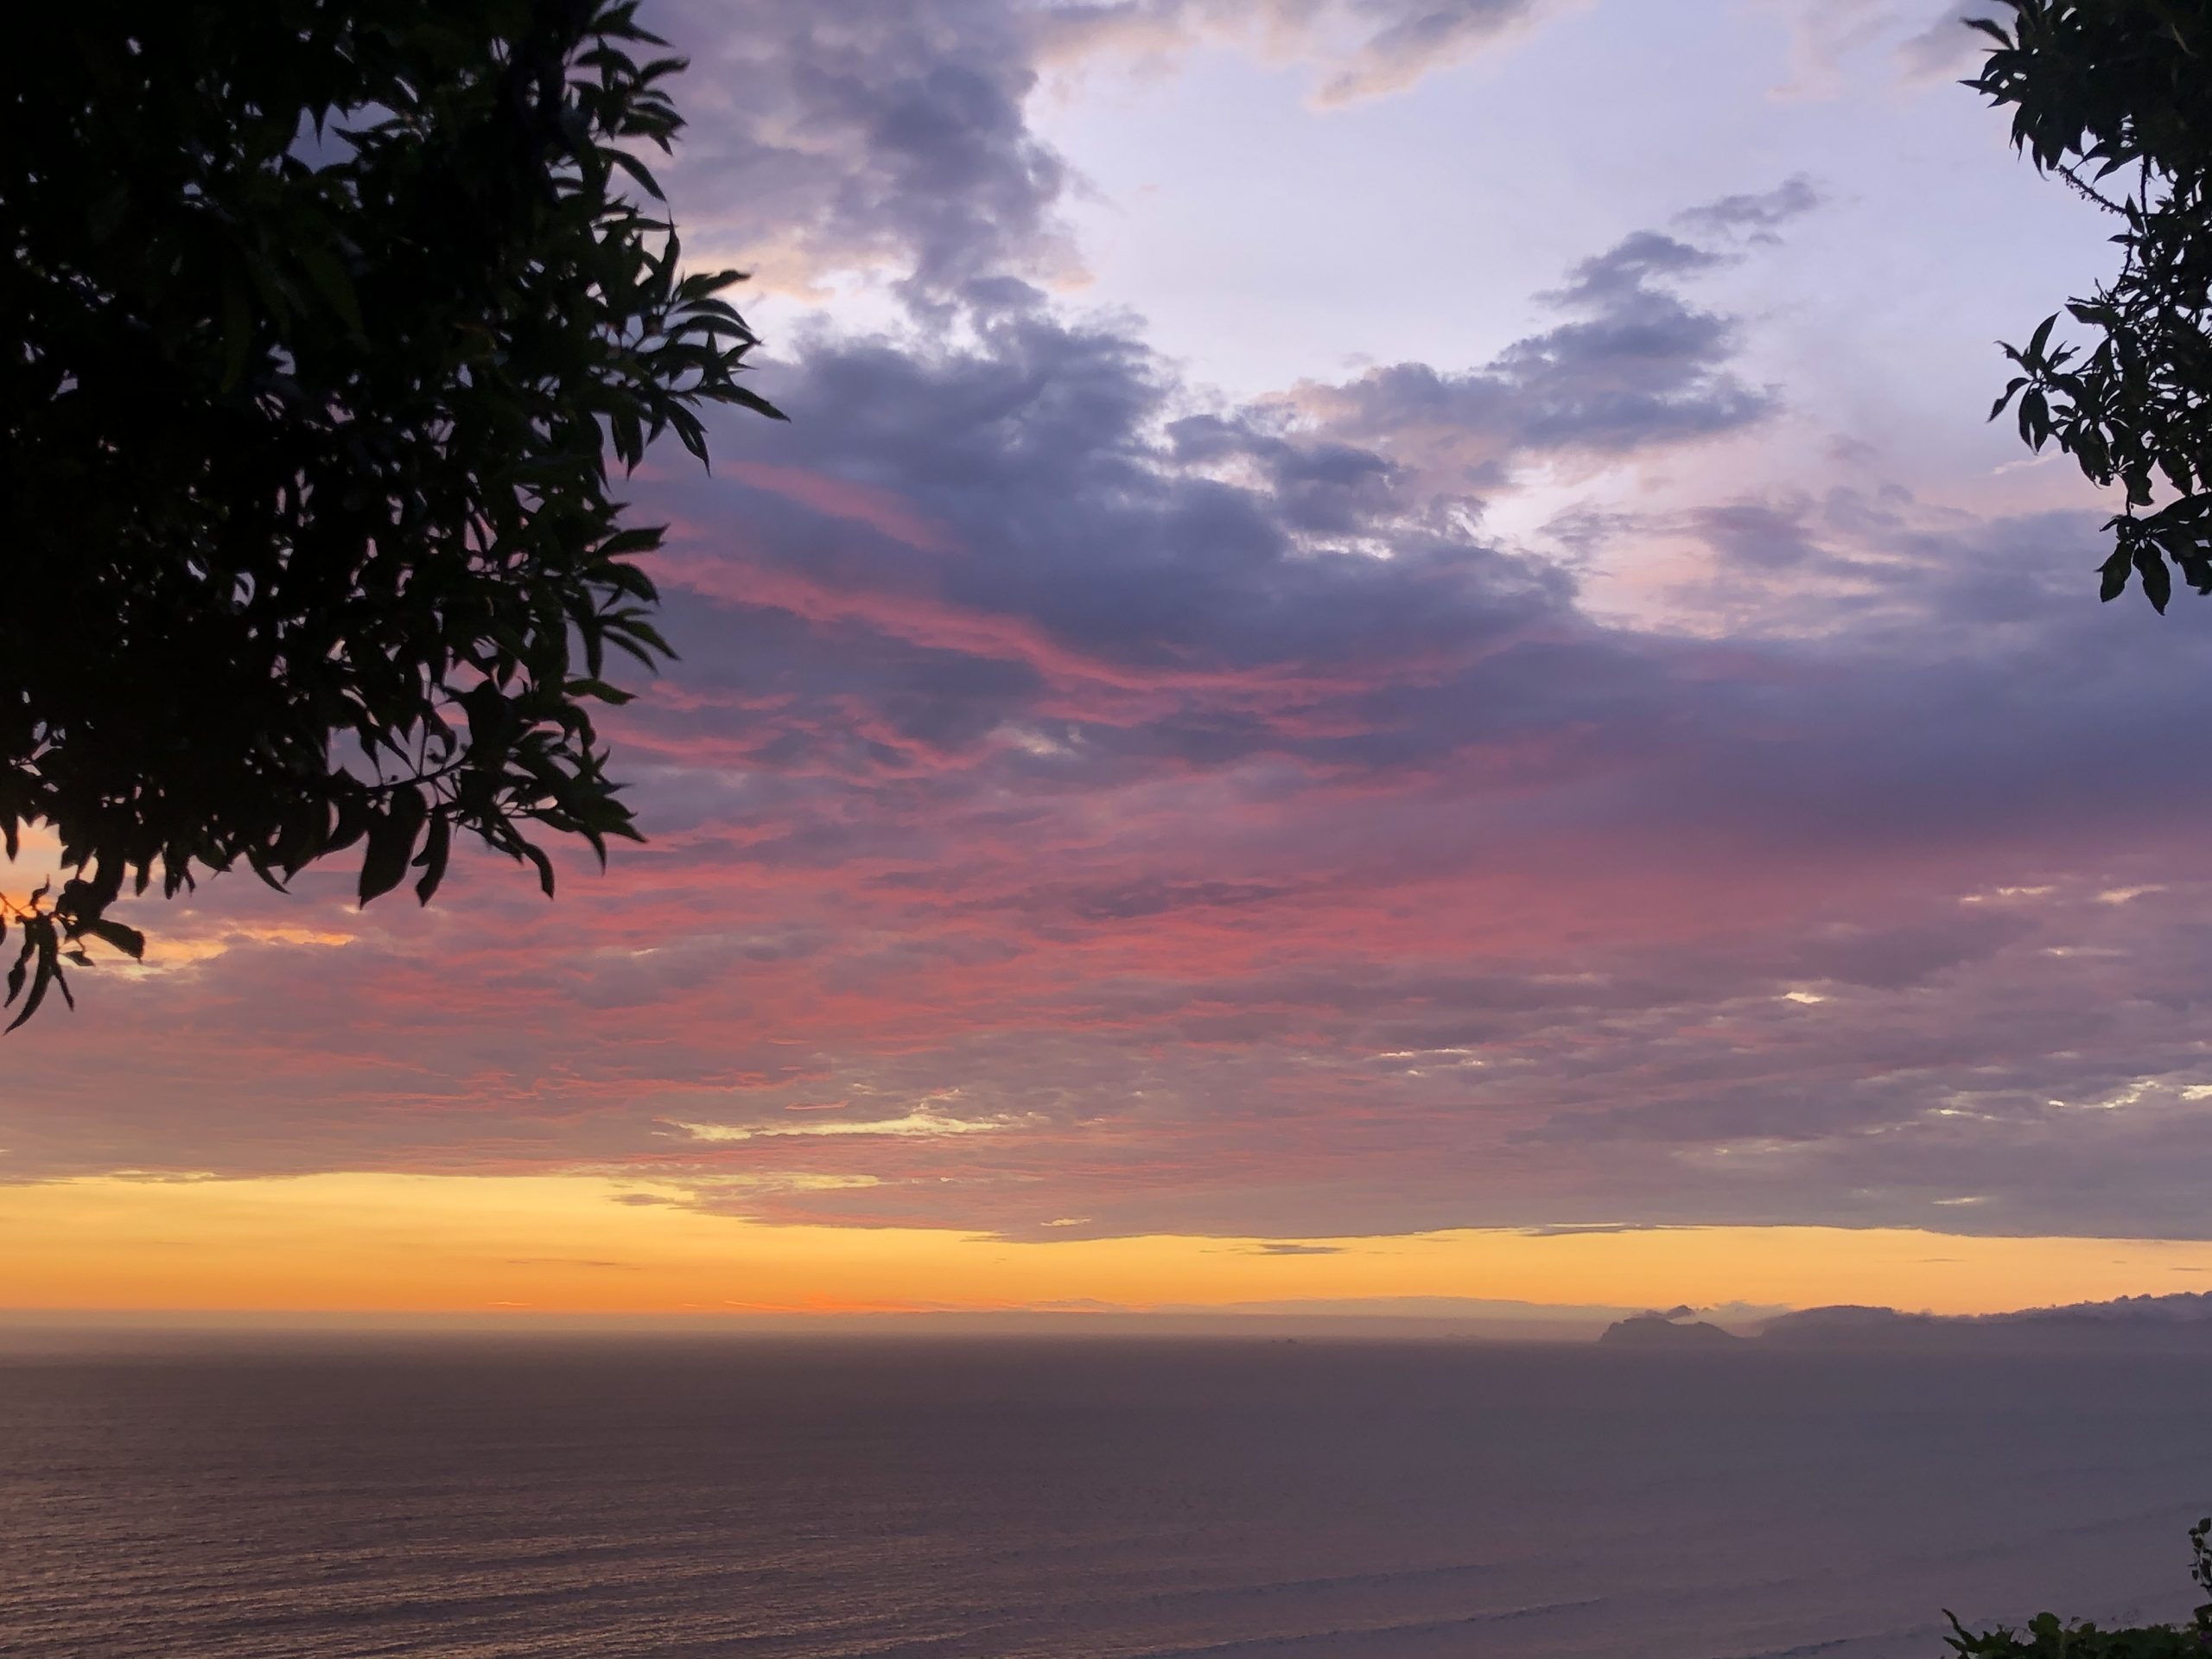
[910,1499]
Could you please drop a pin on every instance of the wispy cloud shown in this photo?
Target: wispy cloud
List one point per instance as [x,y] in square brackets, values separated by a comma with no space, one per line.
[918,1122]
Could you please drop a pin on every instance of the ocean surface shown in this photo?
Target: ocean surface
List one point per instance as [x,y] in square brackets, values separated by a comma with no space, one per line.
[910,1498]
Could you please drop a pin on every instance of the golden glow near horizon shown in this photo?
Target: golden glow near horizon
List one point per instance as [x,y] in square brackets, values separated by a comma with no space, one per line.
[38,847]
[586,1244]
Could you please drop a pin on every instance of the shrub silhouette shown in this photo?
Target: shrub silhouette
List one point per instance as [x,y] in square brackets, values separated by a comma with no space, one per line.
[2046,1637]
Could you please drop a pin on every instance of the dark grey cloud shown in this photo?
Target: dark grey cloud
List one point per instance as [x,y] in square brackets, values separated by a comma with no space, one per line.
[1635,366]
[844,135]
[1142,588]
[1759,536]
[1898,958]
[1755,216]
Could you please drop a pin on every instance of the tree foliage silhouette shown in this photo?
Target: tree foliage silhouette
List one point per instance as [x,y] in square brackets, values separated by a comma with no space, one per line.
[2115,97]
[331,314]
[2047,1636]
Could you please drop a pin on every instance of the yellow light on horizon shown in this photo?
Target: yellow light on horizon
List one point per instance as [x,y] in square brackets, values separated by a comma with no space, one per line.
[388,1243]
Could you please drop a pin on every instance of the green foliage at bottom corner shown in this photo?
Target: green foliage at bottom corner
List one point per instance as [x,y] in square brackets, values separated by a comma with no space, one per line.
[2049,1637]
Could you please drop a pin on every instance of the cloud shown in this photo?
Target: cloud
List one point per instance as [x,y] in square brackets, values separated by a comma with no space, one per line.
[1946,47]
[1359,879]
[1635,366]
[1255,846]
[1142,811]
[1413,38]
[569,1261]
[1362,48]
[920,1122]
[856,137]
[1757,216]
[851,135]
[1918,41]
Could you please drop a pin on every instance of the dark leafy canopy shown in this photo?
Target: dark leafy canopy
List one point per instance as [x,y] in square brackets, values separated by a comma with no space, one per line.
[2047,1637]
[330,313]
[2115,97]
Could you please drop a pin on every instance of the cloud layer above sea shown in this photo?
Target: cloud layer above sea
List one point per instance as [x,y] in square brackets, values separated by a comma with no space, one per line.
[1088,803]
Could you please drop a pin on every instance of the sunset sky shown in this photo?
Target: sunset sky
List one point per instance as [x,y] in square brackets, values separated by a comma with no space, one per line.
[1387,657]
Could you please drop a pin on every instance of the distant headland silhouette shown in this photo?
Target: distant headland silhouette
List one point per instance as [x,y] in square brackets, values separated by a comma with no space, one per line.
[2182,1322]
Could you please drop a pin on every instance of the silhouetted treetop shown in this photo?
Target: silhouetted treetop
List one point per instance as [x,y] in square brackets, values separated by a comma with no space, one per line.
[330,315]
[2115,97]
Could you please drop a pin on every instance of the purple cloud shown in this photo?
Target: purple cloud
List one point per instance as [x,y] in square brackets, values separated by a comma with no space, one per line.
[1191,801]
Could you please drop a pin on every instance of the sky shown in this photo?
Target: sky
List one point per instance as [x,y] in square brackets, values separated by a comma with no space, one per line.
[1387,657]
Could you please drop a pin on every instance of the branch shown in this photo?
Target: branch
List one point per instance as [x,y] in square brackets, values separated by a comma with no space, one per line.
[2065,171]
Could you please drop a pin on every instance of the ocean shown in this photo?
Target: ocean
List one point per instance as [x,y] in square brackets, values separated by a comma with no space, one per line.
[925,1499]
